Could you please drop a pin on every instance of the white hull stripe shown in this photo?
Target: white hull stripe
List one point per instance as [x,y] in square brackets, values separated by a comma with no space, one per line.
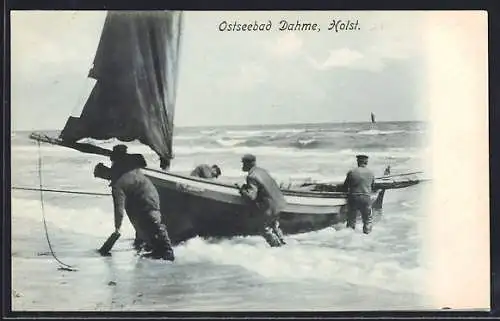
[199,185]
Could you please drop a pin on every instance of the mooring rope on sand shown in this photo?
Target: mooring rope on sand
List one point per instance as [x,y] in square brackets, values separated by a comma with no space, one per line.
[64,266]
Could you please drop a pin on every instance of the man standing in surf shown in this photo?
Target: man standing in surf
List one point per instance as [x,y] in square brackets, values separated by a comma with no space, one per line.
[136,195]
[262,191]
[359,185]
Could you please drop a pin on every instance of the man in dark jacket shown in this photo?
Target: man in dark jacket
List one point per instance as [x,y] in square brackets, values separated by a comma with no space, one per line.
[136,195]
[132,160]
[359,185]
[206,171]
[265,195]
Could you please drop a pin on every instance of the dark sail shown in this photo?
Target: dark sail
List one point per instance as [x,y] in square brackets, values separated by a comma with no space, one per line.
[136,71]
[373,118]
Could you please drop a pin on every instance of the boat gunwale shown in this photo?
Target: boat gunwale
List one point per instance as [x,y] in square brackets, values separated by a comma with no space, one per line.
[313,194]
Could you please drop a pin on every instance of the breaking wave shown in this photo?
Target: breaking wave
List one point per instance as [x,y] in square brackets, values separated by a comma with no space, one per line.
[327,140]
[327,255]
[380,132]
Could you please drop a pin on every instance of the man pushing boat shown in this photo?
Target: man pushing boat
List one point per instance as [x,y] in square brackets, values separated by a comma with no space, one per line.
[206,171]
[265,197]
[136,195]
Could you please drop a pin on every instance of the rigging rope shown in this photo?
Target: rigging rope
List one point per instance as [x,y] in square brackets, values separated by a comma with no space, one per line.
[64,266]
[60,191]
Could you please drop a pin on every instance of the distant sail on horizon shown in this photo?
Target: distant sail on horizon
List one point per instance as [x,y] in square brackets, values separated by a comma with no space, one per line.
[373,118]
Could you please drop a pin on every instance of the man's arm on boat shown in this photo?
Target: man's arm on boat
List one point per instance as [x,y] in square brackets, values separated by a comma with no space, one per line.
[102,171]
[345,186]
[250,189]
[139,160]
[119,206]
[196,171]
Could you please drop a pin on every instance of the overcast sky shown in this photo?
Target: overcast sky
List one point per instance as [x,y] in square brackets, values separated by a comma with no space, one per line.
[235,78]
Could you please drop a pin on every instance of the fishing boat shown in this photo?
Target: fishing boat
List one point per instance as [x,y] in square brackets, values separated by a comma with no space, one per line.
[133,99]
[385,182]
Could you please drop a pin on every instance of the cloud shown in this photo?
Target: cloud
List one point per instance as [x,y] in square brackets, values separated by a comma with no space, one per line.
[372,59]
[245,77]
[42,42]
[395,50]
[286,46]
[348,58]
[371,51]
[52,51]
[338,58]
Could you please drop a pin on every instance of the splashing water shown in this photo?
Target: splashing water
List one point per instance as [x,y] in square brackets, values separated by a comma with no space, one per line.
[329,269]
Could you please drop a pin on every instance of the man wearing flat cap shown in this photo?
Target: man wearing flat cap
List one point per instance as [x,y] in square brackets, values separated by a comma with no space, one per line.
[262,191]
[359,185]
[136,195]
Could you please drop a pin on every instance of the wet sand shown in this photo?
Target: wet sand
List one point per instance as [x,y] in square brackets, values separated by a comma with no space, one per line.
[126,282]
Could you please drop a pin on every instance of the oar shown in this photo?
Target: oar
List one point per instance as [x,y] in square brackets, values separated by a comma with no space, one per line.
[397,175]
[108,245]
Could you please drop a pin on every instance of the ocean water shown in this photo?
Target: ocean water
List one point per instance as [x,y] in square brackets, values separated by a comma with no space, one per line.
[328,270]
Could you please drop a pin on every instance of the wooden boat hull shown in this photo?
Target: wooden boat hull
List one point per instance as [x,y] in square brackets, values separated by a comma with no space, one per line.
[198,207]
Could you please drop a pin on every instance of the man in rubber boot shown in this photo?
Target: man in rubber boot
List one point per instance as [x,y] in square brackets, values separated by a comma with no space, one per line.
[359,185]
[104,172]
[262,191]
[136,195]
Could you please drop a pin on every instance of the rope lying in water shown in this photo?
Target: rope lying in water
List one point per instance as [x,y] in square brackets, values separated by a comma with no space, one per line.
[64,266]
[60,191]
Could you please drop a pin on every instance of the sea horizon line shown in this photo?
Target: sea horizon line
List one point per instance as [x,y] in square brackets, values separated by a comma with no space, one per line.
[257,125]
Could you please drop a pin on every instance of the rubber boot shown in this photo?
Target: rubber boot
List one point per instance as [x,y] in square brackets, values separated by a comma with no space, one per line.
[279,233]
[169,255]
[139,244]
[367,221]
[351,220]
[166,254]
[162,247]
[367,228]
[271,238]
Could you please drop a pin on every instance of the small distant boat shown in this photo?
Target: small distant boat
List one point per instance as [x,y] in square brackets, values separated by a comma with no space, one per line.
[373,118]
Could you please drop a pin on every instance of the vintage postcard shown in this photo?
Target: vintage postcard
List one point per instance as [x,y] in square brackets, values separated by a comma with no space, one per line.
[249,160]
